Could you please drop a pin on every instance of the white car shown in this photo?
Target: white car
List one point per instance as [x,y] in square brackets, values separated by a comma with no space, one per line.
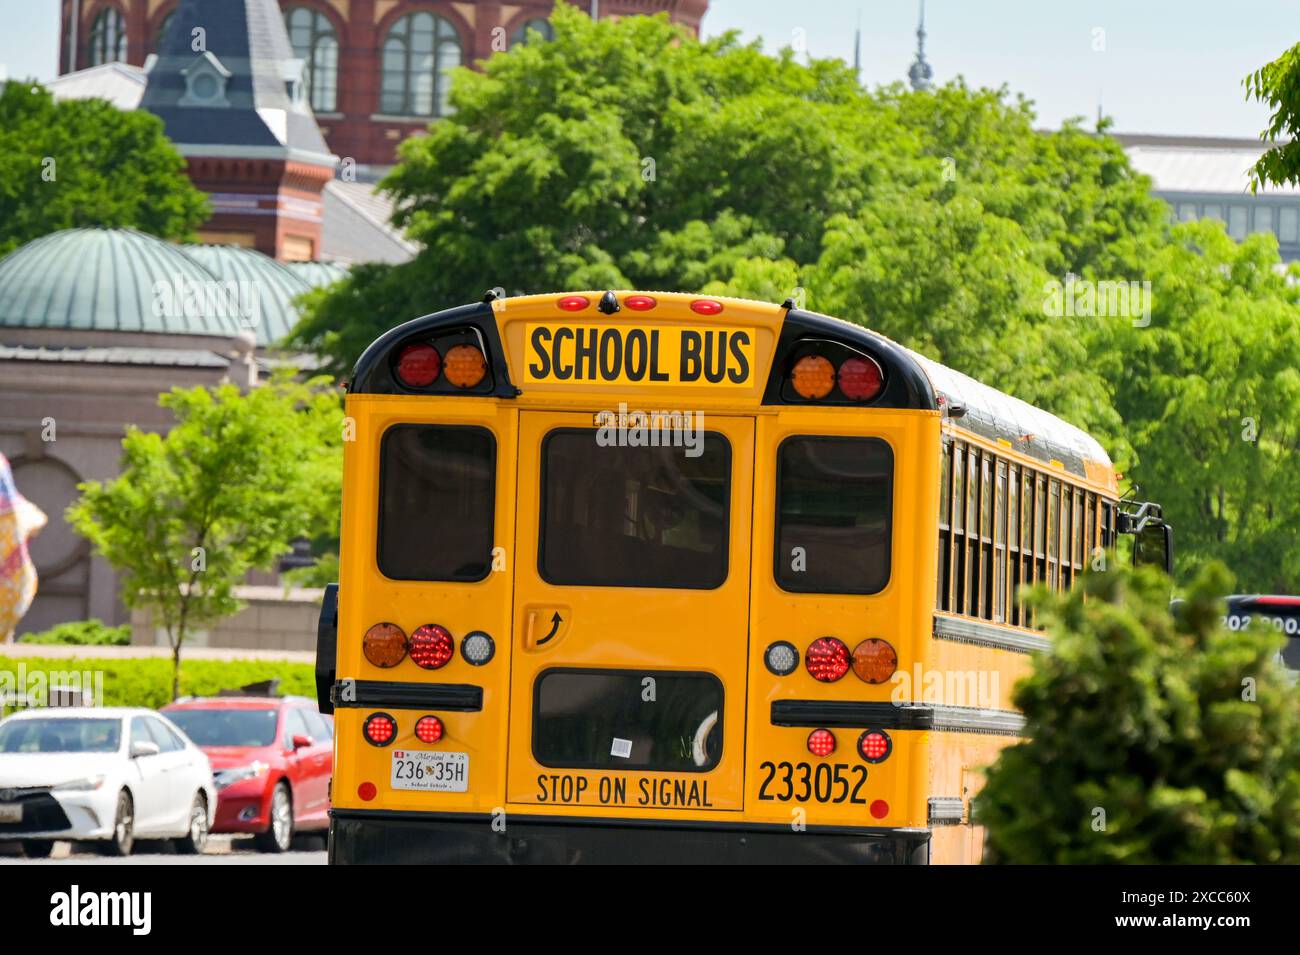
[102,774]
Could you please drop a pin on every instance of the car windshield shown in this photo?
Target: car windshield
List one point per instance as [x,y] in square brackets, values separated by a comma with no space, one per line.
[60,736]
[221,727]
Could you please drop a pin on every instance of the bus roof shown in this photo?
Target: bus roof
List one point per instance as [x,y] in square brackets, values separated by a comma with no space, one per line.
[968,405]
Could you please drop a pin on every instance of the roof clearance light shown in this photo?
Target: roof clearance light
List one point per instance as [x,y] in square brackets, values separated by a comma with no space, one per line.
[821,742]
[432,646]
[428,729]
[384,645]
[640,303]
[875,746]
[464,366]
[706,306]
[860,379]
[874,660]
[379,729]
[418,365]
[813,377]
[781,658]
[477,648]
[827,659]
[574,303]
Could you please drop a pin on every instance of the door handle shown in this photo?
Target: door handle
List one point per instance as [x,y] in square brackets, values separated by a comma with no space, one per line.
[544,626]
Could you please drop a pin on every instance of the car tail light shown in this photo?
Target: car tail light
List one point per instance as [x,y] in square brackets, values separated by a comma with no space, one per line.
[781,658]
[384,645]
[860,379]
[477,648]
[813,376]
[874,660]
[821,742]
[464,366]
[573,303]
[418,365]
[379,729]
[875,746]
[706,306]
[640,303]
[880,809]
[428,729]
[827,659]
[432,646]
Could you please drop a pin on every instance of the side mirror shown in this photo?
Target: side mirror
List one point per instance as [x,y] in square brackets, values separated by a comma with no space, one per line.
[1154,544]
[144,749]
[302,742]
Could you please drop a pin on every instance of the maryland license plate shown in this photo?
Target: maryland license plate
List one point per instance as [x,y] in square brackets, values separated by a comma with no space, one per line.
[11,812]
[430,771]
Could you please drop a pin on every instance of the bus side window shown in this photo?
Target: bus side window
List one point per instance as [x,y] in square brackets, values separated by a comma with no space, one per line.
[834,500]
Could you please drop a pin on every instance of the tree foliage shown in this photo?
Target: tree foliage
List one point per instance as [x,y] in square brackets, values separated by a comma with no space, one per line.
[84,162]
[1278,84]
[1151,739]
[628,155]
[226,490]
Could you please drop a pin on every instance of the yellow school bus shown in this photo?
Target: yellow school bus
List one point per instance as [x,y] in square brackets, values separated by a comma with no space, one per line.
[656,577]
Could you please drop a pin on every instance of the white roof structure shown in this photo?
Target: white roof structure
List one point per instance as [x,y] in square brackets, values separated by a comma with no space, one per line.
[1198,164]
[119,83]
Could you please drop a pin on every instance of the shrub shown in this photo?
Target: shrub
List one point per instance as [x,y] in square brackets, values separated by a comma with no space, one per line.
[89,633]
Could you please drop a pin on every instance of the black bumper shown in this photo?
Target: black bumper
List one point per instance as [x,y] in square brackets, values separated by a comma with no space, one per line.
[359,837]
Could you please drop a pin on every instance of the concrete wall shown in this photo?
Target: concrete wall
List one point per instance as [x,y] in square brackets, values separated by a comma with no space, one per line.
[274,619]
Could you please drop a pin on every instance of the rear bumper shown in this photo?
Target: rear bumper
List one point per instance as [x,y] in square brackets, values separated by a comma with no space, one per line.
[371,836]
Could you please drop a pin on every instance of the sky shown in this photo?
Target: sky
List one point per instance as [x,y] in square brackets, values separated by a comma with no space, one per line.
[1155,66]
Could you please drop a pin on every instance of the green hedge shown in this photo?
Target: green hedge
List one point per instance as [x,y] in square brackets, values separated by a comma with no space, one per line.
[147,681]
[91,632]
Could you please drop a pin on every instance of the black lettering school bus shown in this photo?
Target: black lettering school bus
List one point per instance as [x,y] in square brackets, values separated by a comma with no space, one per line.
[663,577]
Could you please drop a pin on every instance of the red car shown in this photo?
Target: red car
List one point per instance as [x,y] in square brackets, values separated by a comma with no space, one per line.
[271,762]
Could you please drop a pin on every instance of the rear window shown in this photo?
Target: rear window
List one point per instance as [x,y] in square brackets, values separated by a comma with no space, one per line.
[634,516]
[437,498]
[227,727]
[665,721]
[834,498]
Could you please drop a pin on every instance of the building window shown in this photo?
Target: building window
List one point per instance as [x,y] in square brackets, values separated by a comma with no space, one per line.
[1237,216]
[1214,211]
[539,25]
[419,54]
[1186,212]
[1263,219]
[1288,225]
[107,37]
[315,43]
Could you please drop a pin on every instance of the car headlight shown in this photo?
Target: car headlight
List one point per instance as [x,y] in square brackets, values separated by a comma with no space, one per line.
[85,784]
[228,777]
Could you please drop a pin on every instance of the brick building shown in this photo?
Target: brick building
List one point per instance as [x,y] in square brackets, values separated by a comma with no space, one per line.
[375,70]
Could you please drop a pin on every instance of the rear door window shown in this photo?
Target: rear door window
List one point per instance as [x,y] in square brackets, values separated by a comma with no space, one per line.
[437,500]
[634,516]
[665,721]
[833,514]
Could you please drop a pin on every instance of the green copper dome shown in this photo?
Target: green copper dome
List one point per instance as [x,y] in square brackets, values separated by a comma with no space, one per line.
[105,280]
[274,285]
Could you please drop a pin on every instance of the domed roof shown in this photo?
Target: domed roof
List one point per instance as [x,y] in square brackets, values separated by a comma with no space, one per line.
[106,280]
[274,285]
[318,274]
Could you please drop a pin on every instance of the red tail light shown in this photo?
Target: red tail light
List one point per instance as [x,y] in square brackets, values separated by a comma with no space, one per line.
[821,742]
[428,729]
[875,746]
[418,365]
[860,379]
[431,646]
[640,303]
[379,729]
[827,659]
[706,306]
[573,303]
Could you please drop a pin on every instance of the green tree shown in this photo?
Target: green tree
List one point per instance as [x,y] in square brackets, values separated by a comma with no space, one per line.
[71,163]
[1151,739]
[226,490]
[1278,84]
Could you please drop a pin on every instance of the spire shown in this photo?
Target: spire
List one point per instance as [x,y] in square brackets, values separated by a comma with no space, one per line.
[920,71]
[857,50]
